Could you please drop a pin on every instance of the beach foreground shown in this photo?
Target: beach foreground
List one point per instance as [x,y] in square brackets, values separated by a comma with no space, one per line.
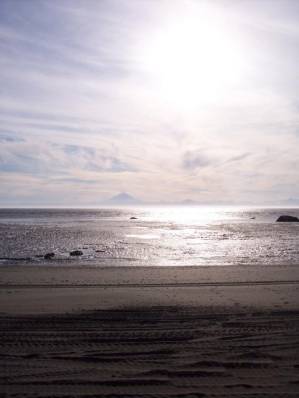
[183,337]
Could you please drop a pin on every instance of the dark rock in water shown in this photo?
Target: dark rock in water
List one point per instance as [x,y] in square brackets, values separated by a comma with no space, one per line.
[49,256]
[287,219]
[76,253]
[133,218]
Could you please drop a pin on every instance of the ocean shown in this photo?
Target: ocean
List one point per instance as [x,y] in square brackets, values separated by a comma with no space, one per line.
[157,236]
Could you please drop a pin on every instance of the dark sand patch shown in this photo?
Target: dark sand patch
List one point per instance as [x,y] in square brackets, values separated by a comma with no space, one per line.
[151,352]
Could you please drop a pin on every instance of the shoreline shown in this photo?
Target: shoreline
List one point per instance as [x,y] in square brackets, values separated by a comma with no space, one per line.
[49,290]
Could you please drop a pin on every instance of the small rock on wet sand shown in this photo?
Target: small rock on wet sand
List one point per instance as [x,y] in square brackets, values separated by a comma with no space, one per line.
[49,256]
[287,219]
[76,253]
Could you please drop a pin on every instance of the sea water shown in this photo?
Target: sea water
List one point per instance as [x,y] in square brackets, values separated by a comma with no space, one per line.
[158,236]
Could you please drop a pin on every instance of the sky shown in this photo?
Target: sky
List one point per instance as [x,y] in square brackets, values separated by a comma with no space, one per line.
[166,100]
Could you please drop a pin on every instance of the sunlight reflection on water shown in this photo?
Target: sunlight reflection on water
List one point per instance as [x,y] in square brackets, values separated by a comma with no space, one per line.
[192,215]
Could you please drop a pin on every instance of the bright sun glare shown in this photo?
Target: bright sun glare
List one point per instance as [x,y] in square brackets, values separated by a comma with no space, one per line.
[192,58]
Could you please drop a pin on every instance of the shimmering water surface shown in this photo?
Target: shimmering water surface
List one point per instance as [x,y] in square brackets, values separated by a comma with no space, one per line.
[159,236]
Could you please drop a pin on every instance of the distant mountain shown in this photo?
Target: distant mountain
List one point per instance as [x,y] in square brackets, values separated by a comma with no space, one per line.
[123,198]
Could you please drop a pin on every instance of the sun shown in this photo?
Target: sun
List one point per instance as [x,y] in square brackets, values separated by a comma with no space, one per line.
[191,58]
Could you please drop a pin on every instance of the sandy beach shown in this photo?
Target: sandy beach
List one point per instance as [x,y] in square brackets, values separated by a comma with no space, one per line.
[150,332]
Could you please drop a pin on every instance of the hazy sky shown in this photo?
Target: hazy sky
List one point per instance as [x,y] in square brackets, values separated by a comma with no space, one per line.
[166,100]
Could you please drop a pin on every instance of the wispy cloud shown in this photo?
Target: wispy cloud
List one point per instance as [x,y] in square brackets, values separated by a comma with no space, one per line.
[194,160]
[46,159]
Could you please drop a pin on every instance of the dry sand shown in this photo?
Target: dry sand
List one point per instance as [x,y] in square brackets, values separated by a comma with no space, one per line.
[154,332]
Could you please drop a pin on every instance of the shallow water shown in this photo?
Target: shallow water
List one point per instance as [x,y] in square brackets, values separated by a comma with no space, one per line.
[159,236]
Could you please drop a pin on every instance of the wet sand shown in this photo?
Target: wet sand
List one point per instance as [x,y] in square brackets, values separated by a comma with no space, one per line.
[217,332]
